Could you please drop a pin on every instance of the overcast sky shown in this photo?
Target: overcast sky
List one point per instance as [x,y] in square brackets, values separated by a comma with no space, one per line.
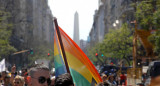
[64,11]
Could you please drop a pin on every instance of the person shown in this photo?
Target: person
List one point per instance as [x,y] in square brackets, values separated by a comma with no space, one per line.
[25,78]
[64,80]
[24,71]
[39,76]
[111,80]
[7,80]
[123,79]
[18,81]
[104,77]
[4,73]
[13,74]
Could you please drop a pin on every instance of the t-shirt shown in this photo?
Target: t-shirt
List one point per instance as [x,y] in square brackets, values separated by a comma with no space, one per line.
[123,77]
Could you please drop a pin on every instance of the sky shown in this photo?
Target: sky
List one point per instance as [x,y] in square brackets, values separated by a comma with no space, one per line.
[64,11]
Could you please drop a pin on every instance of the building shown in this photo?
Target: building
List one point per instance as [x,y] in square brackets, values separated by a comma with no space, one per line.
[120,10]
[83,45]
[76,29]
[97,31]
[32,26]
[110,15]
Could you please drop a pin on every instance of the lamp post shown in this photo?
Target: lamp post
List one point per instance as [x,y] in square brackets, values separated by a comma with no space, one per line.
[116,24]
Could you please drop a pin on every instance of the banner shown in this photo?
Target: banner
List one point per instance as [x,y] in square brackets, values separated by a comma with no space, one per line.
[2,65]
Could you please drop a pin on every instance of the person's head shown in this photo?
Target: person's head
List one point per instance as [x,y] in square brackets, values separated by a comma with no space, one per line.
[104,77]
[64,80]
[24,71]
[4,73]
[7,79]
[39,75]
[18,81]
[111,77]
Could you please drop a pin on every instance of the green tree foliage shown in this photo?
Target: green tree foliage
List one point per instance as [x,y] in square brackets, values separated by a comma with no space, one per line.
[155,40]
[41,52]
[147,14]
[5,34]
[116,44]
[92,51]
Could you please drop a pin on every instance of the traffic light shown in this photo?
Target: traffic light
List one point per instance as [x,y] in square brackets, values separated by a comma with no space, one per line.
[96,54]
[139,63]
[102,55]
[48,54]
[31,51]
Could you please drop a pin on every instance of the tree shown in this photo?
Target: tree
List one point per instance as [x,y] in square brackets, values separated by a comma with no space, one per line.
[92,51]
[41,52]
[155,40]
[147,14]
[5,33]
[118,43]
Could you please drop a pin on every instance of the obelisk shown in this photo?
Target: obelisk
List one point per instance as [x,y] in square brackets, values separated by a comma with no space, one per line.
[76,29]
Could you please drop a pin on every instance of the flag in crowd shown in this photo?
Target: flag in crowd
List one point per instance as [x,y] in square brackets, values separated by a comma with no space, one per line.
[82,70]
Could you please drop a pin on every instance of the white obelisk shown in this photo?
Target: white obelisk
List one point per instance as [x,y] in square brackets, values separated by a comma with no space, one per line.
[76,29]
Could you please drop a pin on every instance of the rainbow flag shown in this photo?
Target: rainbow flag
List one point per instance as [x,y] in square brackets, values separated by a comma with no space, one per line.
[82,70]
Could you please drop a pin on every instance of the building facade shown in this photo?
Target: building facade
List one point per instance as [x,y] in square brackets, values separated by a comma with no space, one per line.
[110,12]
[32,26]
[97,31]
[83,45]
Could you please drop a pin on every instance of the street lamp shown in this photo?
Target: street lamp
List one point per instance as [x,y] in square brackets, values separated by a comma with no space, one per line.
[117,21]
[114,24]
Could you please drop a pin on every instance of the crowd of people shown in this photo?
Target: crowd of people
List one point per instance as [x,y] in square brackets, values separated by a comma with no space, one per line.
[38,75]
[110,78]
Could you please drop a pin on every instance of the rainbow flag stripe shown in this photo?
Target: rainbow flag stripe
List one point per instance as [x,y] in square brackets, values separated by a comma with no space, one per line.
[82,70]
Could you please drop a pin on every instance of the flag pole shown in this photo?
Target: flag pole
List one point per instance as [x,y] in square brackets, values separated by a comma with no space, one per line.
[61,43]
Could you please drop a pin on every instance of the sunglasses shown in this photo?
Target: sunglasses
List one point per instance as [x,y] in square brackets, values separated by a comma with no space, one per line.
[16,82]
[42,80]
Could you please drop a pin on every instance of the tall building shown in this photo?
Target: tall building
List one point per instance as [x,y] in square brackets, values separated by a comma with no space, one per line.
[32,22]
[109,13]
[83,44]
[76,29]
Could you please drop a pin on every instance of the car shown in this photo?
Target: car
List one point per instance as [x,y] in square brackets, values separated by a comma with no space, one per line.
[153,69]
[152,72]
